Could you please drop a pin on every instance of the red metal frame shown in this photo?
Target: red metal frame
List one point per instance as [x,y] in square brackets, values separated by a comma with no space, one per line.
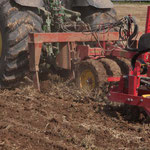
[131,94]
[36,41]
[128,91]
[71,37]
[147,29]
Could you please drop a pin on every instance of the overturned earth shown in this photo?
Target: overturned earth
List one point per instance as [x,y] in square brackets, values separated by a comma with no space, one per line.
[62,117]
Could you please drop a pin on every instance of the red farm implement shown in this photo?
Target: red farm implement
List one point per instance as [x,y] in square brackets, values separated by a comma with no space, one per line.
[79,50]
[93,55]
[134,88]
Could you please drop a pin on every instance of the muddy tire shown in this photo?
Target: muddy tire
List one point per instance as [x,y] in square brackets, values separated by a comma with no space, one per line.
[123,63]
[90,74]
[100,70]
[15,24]
[95,16]
[103,16]
[112,68]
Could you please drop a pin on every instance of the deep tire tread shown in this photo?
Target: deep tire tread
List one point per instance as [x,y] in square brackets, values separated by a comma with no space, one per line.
[112,68]
[18,23]
[98,70]
[124,64]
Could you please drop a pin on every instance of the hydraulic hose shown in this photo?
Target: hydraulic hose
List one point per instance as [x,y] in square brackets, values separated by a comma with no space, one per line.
[130,20]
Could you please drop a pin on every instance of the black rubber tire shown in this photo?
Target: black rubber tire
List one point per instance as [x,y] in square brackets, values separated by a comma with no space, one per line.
[123,63]
[95,16]
[16,23]
[102,69]
[96,68]
[112,68]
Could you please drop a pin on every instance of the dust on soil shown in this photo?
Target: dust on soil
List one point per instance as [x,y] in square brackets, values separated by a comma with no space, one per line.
[139,11]
[63,118]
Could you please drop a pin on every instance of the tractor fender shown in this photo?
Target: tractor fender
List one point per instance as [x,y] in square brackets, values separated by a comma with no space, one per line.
[30,3]
[95,3]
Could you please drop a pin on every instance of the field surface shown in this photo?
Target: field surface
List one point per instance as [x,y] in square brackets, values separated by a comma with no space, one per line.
[63,118]
[138,11]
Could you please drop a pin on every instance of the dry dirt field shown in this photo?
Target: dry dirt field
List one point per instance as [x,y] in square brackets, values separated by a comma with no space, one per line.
[137,10]
[63,118]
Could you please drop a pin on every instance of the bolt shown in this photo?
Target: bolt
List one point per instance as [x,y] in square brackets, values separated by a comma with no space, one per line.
[128,99]
[141,100]
[131,100]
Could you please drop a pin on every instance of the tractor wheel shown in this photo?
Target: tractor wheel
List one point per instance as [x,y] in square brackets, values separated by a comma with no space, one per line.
[103,16]
[123,63]
[15,24]
[90,74]
[95,16]
[93,73]
[112,68]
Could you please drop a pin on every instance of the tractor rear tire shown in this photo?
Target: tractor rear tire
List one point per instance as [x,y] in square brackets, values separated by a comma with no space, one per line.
[94,16]
[16,23]
[103,16]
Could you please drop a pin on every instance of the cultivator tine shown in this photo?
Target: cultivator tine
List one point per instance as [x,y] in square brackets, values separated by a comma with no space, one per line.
[34,54]
[35,77]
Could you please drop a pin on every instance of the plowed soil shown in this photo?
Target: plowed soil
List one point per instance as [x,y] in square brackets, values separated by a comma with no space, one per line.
[63,118]
[139,11]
